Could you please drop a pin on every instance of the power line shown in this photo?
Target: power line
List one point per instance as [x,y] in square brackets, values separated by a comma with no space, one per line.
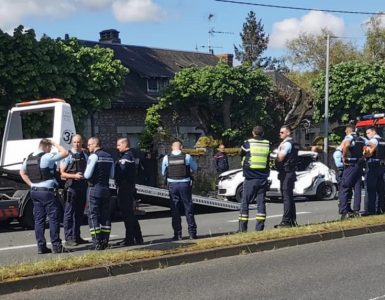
[302,8]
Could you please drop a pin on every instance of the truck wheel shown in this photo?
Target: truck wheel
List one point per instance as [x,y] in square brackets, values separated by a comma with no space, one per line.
[27,220]
[326,191]
[238,193]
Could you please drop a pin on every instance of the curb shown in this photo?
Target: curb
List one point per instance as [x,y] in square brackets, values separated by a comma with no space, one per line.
[53,279]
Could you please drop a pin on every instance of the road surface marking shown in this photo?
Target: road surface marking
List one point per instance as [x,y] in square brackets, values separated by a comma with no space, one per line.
[271,217]
[380,297]
[34,245]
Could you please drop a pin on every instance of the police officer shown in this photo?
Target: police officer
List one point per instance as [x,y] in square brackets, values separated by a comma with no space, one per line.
[125,181]
[337,157]
[177,167]
[351,135]
[255,163]
[352,155]
[100,168]
[375,153]
[286,164]
[38,171]
[72,169]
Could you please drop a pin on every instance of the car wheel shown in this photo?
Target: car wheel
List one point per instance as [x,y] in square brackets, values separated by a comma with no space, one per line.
[326,191]
[239,193]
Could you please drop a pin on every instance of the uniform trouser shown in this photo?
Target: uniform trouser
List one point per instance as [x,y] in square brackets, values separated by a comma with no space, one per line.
[180,194]
[374,198]
[99,219]
[126,204]
[351,177]
[74,211]
[357,191]
[45,204]
[287,180]
[253,189]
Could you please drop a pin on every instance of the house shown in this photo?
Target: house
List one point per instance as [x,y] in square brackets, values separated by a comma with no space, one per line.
[150,72]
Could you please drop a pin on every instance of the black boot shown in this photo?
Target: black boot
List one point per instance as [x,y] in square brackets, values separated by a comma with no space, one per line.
[242,226]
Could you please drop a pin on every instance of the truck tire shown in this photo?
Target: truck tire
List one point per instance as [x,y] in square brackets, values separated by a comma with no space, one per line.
[27,220]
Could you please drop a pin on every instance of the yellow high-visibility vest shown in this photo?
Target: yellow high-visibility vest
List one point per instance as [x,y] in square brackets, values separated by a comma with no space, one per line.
[259,154]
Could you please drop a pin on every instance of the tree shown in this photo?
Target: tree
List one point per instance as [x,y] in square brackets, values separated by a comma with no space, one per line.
[254,42]
[226,101]
[374,49]
[29,69]
[355,88]
[308,51]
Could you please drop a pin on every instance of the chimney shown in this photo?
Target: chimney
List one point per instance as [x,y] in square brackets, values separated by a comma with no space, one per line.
[228,58]
[109,36]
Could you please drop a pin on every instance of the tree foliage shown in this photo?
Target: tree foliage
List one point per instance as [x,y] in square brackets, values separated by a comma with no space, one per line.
[355,88]
[254,42]
[308,51]
[374,50]
[85,77]
[226,101]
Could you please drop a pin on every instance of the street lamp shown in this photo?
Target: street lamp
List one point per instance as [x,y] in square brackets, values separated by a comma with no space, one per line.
[326,124]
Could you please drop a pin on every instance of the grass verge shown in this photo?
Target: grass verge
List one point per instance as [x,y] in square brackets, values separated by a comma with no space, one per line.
[16,271]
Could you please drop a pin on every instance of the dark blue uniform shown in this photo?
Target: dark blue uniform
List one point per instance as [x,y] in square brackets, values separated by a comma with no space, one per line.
[255,153]
[40,168]
[287,176]
[100,168]
[125,181]
[374,198]
[177,167]
[76,193]
[351,177]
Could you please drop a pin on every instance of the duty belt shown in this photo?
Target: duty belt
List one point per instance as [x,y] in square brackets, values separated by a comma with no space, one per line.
[42,189]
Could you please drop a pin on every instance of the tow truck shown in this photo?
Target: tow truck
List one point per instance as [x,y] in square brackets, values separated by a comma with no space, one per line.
[19,141]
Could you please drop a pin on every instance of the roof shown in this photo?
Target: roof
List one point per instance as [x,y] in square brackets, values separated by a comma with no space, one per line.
[155,62]
[146,62]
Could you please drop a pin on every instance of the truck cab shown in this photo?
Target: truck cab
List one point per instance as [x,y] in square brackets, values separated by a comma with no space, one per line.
[19,140]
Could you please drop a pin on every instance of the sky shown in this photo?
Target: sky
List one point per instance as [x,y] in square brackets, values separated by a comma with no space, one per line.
[184,24]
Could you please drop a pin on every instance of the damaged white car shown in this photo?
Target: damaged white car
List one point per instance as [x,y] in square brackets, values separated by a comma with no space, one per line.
[314,180]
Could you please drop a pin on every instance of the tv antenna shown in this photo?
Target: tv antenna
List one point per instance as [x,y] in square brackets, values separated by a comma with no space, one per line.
[211,33]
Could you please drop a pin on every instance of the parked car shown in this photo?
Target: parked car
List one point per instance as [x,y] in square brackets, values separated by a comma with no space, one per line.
[314,180]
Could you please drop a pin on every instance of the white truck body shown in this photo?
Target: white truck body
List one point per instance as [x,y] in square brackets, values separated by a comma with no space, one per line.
[16,148]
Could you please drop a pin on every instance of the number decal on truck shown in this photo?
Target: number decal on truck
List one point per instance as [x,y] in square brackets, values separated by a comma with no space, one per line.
[67,136]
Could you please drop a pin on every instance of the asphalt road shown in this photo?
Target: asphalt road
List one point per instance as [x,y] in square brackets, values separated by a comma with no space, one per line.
[18,245]
[349,268]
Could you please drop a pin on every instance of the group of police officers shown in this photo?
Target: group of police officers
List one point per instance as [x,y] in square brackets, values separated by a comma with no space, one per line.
[87,178]
[359,156]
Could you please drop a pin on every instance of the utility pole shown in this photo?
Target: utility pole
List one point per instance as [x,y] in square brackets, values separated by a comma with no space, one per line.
[326,124]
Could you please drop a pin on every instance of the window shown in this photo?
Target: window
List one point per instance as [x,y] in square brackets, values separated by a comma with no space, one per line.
[152,85]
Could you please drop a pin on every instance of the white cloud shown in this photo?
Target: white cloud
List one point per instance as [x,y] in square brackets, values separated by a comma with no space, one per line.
[313,22]
[137,11]
[13,12]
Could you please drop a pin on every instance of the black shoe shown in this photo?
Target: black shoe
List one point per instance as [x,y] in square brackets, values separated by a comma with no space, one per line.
[59,250]
[364,213]
[81,241]
[71,243]
[125,242]
[97,247]
[285,225]
[44,250]
[177,237]
[139,241]
[193,237]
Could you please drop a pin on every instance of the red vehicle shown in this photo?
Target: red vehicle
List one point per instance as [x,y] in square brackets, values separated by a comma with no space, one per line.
[377,120]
